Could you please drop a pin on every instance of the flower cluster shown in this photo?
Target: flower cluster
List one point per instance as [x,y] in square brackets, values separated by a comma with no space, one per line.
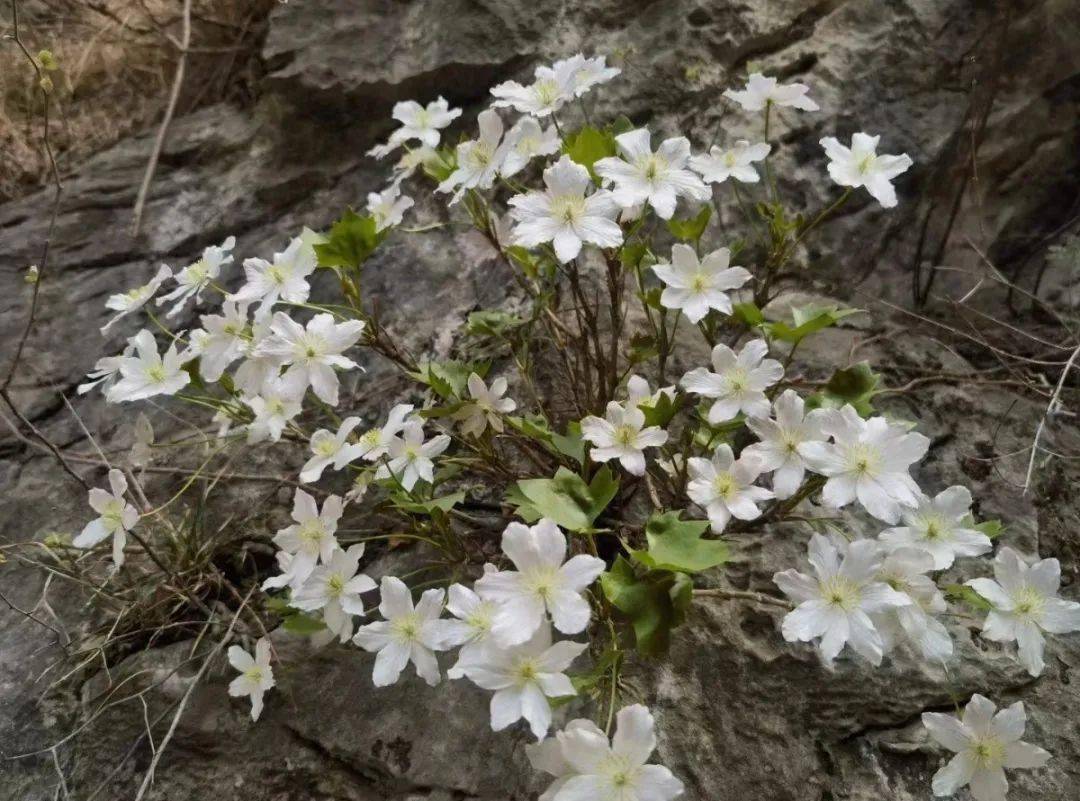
[732,444]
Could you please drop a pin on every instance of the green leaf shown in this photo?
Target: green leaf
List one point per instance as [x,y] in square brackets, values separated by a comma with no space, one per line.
[621,125]
[654,602]
[991,528]
[678,545]
[588,146]
[300,623]
[351,240]
[492,323]
[443,504]
[569,444]
[660,411]
[567,499]
[652,298]
[749,313]
[442,165]
[642,348]
[691,229]
[630,256]
[448,379]
[855,385]
[523,506]
[807,320]
[961,593]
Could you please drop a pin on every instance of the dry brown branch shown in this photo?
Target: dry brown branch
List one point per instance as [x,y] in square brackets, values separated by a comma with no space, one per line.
[166,121]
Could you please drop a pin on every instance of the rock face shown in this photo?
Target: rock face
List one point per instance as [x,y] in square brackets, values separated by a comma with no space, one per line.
[741,714]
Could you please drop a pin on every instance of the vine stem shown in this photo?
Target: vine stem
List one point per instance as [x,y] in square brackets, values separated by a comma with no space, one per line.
[55,172]
[742,595]
[824,214]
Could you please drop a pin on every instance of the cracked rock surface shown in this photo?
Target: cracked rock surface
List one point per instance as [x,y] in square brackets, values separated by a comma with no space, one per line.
[741,714]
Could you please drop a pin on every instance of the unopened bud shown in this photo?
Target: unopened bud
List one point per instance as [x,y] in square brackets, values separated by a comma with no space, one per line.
[32,274]
[46,84]
[48,61]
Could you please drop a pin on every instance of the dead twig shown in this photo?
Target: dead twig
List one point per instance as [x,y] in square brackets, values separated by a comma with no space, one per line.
[1050,407]
[166,121]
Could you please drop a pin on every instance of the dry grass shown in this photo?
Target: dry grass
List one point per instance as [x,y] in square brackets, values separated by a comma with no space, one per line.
[116,60]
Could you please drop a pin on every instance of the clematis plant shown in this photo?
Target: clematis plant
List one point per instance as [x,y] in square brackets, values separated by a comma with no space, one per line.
[527,483]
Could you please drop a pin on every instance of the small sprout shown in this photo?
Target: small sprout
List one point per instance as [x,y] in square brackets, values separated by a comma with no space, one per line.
[48,61]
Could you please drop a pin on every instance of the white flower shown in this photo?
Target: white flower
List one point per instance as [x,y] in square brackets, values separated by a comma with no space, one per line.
[615,771]
[388,207]
[125,303]
[116,518]
[335,588]
[547,755]
[478,160]
[310,539]
[564,215]
[148,373]
[623,436]
[329,449]
[278,402]
[193,279]
[375,443]
[585,73]
[406,635]
[868,460]
[739,382]
[639,393]
[778,449]
[659,178]
[524,677]
[528,141]
[256,676]
[735,162]
[142,447]
[225,340]
[697,286]
[106,370]
[761,91]
[472,629]
[552,87]
[283,279]
[541,584]
[359,486]
[860,165]
[411,161]
[254,371]
[835,604]
[312,352]
[984,743]
[940,526]
[422,123]
[1026,603]
[410,458]
[905,571]
[724,486]
[485,408]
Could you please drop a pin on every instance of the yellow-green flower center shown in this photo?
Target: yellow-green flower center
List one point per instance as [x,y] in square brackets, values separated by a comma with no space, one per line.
[407,628]
[840,592]
[724,485]
[547,91]
[988,752]
[568,208]
[625,435]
